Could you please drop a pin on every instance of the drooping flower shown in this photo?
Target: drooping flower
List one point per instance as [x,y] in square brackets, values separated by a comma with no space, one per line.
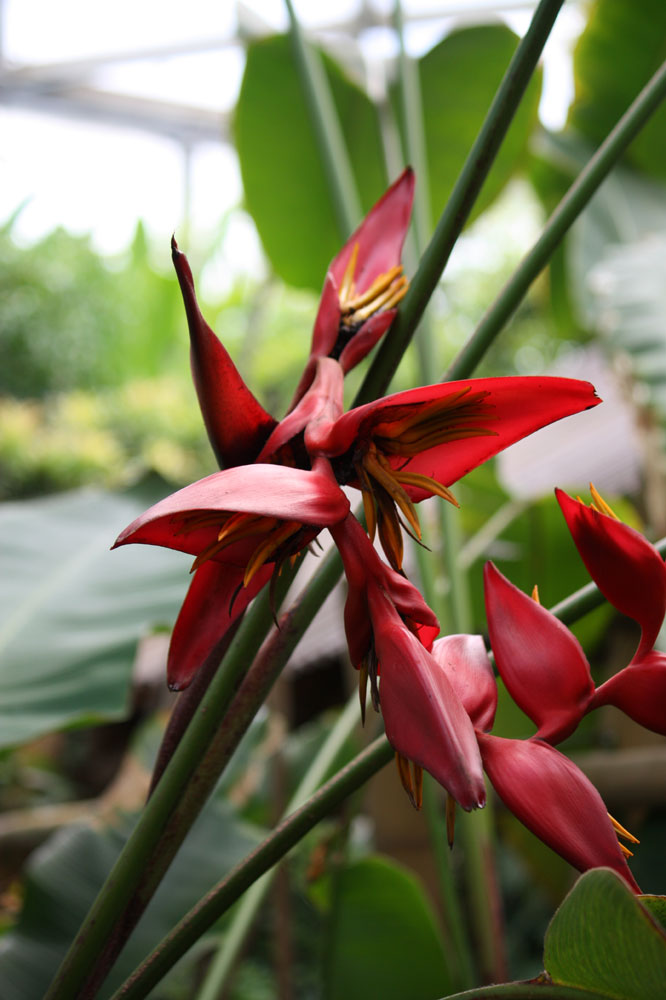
[241,519]
[631,574]
[390,629]
[403,448]
[424,719]
[363,285]
[545,790]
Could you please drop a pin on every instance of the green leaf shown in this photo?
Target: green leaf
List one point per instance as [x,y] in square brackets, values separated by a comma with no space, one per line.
[64,876]
[71,611]
[286,191]
[657,907]
[459,78]
[623,44]
[602,939]
[384,941]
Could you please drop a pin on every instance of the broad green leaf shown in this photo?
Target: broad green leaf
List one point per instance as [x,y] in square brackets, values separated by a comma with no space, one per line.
[384,939]
[623,44]
[71,611]
[65,875]
[602,939]
[285,187]
[459,78]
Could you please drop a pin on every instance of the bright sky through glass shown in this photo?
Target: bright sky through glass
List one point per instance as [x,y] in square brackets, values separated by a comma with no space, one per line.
[100,179]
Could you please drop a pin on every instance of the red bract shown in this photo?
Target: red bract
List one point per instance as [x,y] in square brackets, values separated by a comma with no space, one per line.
[541,787]
[424,719]
[628,571]
[554,799]
[464,660]
[415,444]
[639,691]
[363,284]
[240,520]
[236,422]
[540,661]
[365,571]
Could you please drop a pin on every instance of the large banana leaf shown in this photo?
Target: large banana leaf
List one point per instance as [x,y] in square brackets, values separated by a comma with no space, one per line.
[71,611]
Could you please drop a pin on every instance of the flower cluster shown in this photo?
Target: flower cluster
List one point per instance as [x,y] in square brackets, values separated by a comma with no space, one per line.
[281,483]
[547,674]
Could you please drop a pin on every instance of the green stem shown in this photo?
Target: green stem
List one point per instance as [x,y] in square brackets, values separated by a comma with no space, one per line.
[463,196]
[456,940]
[274,847]
[138,854]
[568,210]
[529,991]
[255,895]
[327,131]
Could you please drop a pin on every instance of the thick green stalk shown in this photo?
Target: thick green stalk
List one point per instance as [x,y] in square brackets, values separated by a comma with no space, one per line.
[459,957]
[328,133]
[244,917]
[138,854]
[274,847]
[566,213]
[461,202]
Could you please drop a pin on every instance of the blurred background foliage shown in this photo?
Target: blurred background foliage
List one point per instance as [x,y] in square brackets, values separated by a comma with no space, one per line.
[95,392]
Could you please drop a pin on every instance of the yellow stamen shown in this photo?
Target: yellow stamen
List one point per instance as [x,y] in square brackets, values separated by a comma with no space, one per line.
[262,552]
[382,472]
[378,287]
[411,782]
[426,483]
[390,535]
[377,299]
[600,504]
[535,594]
[347,283]
[621,832]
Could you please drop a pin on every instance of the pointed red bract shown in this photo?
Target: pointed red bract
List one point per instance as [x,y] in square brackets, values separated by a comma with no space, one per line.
[424,718]
[555,800]
[215,600]
[639,691]
[311,498]
[378,244]
[236,422]
[511,408]
[540,661]
[628,571]
[464,660]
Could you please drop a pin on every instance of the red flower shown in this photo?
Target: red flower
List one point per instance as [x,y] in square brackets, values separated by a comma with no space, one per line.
[363,285]
[236,422]
[415,444]
[242,519]
[540,661]
[424,719]
[628,571]
[538,784]
[631,574]
[389,630]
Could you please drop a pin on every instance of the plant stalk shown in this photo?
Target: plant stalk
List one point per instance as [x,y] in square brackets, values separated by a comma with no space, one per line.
[566,213]
[461,202]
